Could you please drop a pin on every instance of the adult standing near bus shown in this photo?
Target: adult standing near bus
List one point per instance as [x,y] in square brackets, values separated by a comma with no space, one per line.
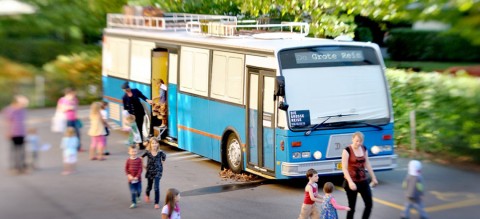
[132,104]
[354,162]
[68,104]
[15,115]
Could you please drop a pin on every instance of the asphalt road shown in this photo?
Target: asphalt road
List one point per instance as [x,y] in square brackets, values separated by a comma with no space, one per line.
[99,189]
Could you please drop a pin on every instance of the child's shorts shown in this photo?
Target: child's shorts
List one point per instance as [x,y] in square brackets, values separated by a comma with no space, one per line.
[309,211]
[98,142]
[69,158]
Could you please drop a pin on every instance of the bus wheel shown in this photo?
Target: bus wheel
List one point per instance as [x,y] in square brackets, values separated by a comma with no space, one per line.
[234,154]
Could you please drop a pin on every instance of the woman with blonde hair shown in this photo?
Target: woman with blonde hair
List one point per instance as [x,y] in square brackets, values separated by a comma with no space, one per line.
[96,132]
[155,160]
[354,164]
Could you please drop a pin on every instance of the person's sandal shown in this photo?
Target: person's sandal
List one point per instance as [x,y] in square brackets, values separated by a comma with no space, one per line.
[157,206]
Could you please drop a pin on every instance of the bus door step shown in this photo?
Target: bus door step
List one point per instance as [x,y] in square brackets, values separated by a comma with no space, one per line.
[161,130]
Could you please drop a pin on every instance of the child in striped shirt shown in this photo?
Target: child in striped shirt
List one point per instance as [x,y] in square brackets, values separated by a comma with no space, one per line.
[133,169]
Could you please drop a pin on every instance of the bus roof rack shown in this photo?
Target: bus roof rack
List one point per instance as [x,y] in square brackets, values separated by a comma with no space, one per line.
[210,25]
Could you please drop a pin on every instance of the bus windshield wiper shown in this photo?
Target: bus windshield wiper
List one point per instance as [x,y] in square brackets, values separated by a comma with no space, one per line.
[307,133]
[368,124]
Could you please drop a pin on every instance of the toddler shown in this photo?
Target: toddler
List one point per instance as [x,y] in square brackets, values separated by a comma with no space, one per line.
[329,206]
[69,145]
[134,133]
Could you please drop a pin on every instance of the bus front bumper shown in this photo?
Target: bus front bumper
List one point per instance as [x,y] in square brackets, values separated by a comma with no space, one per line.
[327,167]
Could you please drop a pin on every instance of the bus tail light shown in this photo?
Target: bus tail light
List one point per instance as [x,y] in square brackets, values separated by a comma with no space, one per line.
[296,144]
[282,145]
[387,137]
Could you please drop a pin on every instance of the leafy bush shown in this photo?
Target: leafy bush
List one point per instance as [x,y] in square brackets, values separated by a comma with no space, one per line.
[82,71]
[447,110]
[407,44]
[14,79]
[38,51]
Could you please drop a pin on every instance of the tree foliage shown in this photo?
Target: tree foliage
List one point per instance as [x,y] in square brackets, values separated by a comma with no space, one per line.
[65,20]
[328,18]
[84,20]
[81,71]
[462,15]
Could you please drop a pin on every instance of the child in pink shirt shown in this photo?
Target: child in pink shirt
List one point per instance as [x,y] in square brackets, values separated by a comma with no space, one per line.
[329,206]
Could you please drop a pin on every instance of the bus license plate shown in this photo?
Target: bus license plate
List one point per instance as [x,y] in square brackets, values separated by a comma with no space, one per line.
[338,166]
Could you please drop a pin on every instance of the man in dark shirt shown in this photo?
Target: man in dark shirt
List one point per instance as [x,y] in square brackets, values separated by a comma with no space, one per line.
[132,104]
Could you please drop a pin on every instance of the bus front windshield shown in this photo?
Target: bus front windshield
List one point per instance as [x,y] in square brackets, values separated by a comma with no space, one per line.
[337,94]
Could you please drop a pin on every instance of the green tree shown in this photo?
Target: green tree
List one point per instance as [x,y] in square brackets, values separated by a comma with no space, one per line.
[66,20]
[81,71]
[84,20]
[462,15]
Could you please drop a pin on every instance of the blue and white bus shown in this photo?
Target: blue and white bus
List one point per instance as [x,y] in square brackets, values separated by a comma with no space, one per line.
[274,104]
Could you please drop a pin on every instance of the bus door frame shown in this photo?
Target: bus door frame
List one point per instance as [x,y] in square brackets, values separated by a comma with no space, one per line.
[256,136]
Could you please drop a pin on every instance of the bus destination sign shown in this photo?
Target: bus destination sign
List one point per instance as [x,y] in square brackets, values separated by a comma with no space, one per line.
[329,56]
[300,118]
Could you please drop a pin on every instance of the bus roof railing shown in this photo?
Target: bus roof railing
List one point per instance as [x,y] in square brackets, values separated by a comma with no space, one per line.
[169,21]
[237,29]
[209,25]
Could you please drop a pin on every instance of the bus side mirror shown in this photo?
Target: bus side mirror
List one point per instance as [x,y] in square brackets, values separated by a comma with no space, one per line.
[280,92]
[283,106]
[279,87]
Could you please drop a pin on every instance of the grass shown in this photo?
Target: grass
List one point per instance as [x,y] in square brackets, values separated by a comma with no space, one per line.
[425,66]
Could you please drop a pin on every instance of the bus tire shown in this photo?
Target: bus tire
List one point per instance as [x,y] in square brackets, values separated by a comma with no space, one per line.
[234,153]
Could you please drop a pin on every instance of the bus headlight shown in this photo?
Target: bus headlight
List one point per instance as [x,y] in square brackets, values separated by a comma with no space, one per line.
[317,155]
[375,149]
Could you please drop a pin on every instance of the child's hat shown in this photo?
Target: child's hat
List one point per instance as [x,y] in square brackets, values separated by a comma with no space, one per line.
[414,167]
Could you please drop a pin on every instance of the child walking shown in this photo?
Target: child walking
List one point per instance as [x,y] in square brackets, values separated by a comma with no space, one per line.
[134,134]
[97,132]
[34,146]
[155,160]
[104,113]
[69,145]
[309,208]
[329,206]
[133,169]
[413,185]
[171,210]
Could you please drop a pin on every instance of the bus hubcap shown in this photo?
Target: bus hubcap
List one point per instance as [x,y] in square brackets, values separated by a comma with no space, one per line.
[234,153]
